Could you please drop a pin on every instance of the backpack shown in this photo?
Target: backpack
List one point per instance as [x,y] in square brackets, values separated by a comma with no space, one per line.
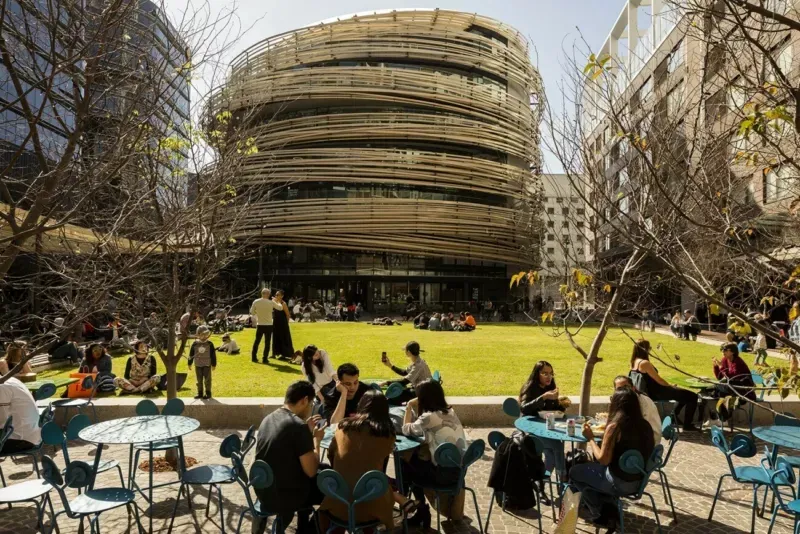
[638,380]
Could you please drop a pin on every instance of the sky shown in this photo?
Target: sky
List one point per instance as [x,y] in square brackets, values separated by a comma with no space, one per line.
[553,26]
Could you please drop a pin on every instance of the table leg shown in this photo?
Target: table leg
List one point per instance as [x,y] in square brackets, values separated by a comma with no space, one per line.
[182,458]
[98,451]
[150,489]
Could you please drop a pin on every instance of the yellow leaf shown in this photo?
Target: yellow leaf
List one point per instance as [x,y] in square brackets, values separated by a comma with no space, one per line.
[607,288]
[514,279]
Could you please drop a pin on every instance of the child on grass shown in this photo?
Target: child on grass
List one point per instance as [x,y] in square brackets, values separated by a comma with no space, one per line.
[203,355]
[760,348]
[229,345]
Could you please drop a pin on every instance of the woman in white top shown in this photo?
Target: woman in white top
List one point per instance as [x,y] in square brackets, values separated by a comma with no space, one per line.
[437,423]
[675,324]
[318,369]
[16,401]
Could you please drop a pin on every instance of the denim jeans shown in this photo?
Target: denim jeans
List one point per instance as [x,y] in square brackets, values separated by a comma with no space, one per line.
[554,456]
[597,485]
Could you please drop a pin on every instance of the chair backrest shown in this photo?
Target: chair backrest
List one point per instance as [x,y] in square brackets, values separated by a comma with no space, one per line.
[786,419]
[260,477]
[437,377]
[740,445]
[670,433]
[47,390]
[47,415]
[146,407]
[249,440]
[758,381]
[52,434]
[496,438]
[52,475]
[447,455]
[173,407]
[394,390]
[782,474]
[511,407]
[370,486]
[76,424]
[229,445]
[632,462]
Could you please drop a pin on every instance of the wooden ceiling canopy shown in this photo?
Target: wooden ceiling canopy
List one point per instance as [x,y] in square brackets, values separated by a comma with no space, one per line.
[438,101]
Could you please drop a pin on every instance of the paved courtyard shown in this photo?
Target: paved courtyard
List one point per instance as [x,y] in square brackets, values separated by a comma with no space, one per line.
[693,471]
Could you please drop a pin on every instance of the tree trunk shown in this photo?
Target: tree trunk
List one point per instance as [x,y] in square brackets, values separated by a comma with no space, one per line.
[592,357]
[172,378]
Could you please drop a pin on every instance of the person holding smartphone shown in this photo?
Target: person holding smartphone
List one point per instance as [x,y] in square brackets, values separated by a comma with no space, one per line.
[416,373]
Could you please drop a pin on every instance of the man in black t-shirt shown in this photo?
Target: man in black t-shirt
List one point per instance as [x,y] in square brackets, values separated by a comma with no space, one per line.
[343,401]
[288,441]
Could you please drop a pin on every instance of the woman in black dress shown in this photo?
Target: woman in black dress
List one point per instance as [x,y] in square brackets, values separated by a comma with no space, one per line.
[281,336]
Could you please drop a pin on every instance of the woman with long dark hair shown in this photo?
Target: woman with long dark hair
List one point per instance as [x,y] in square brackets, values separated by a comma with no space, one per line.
[659,389]
[97,360]
[318,369]
[281,336]
[627,429]
[430,417]
[363,443]
[540,393]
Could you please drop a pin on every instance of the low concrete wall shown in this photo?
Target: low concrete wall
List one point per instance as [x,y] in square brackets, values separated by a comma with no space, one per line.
[240,413]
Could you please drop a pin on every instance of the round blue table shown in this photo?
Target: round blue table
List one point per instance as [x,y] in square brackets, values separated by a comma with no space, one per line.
[140,429]
[781,436]
[538,428]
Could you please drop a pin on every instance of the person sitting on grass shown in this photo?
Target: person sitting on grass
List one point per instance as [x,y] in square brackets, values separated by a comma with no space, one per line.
[538,394]
[429,417]
[675,324]
[342,401]
[140,371]
[97,360]
[435,322]
[599,480]
[416,373]
[229,345]
[446,323]
[318,370]
[690,326]
[363,443]
[738,331]
[15,354]
[203,354]
[289,442]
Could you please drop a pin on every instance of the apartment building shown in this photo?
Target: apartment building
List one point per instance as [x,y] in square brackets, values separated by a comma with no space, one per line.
[671,77]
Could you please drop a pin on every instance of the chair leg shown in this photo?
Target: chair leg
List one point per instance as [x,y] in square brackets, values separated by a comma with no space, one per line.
[222,510]
[208,502]
[772,521]
[755,508]
[491,503]
[655,512]
[175,508]
[716,496]
[669,494]
[241,518]
[121,477]
[621,516]
[477,511]
[438,515]
[35,465]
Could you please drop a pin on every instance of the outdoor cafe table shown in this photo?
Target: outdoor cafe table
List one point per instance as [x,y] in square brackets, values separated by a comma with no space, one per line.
[779,436]
[401,444]
[139,429]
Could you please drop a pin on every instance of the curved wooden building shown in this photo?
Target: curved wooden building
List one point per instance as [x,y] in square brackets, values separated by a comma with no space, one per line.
[393,133]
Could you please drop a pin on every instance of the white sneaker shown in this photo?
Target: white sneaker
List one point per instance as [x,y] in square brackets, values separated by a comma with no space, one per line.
[712,422]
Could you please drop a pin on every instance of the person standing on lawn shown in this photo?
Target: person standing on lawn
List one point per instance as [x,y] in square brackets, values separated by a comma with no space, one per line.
[204,356]
[262,309]
[282,346]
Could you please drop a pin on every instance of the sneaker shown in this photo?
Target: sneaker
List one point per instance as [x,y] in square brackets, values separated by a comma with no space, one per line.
[712,422]
[206,397]
[254,360]
[198,397]
[265,361]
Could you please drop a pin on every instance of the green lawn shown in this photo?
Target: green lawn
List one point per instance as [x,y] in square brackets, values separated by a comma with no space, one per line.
[493,360]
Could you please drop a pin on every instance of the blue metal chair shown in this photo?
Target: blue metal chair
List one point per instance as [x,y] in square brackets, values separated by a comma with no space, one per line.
[260,478]
[74,427]
[633,463]
[213,476]
[750,408]
[437,377]
[744,447]
[788,420]
[33,452]
[670,433]
[41,395]
[495,439]
[781,476]
[448,455]
[370,486]
[511,407]
[91,502]
[146,407]
[79,404]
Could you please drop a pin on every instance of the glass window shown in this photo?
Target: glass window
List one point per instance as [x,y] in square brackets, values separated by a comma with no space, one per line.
[550,224]
[551,237]
[551,250]
[781,183]
[737,97]
[646,91]
[674,99]
[564,211]
[564,224]
[551,264]
[784,60]
[676,57]
[551,211]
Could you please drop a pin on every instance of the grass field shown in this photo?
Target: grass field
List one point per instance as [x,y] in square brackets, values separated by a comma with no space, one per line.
[493,360]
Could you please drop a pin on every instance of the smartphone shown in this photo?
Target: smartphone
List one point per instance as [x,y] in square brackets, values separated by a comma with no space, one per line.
[383,357]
